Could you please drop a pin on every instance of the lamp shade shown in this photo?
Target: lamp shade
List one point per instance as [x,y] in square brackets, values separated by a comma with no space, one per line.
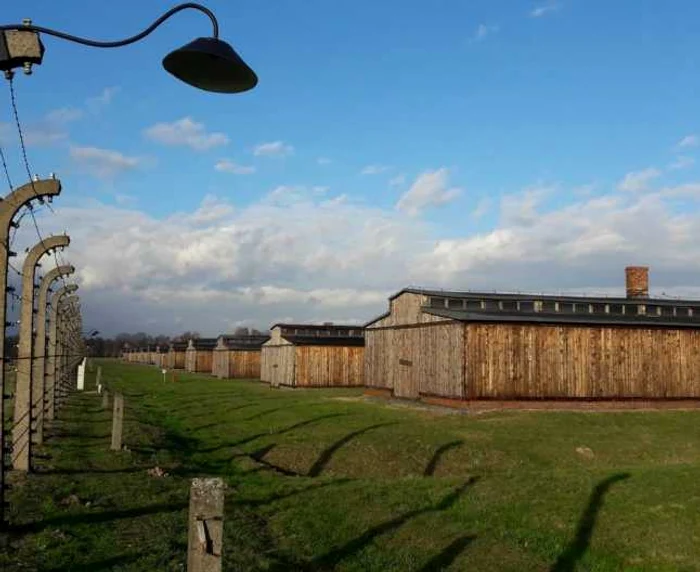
[212,65]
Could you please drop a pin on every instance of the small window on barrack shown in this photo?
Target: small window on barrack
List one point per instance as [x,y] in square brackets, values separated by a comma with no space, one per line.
[566,307]
[473,304]
[509,305]
[651,311]
[666,311]
[455,304]
[437,302]
[491,305]
[598,308]
[549,306]
[616,309]
[526,306]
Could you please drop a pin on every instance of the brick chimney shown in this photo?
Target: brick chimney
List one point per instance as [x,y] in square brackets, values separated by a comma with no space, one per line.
[637,281]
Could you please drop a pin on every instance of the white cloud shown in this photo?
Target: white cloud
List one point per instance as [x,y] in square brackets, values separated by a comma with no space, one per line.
[273,149]
[637,181]
[682,162]
[49,130]
[304,254]
[482,31]
[374,169]
[544,9]
[123,199]
[186,132]
[481,208]
[105,97]
[103,163]
[397,181]
[292,194]
[688,141]
[323,161]
[228,166]
[64,115]
[429,189]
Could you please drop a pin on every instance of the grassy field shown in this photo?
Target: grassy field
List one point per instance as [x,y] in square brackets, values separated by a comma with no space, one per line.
[329,480]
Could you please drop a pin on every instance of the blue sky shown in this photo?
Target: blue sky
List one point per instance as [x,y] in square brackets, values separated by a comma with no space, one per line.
[481,127]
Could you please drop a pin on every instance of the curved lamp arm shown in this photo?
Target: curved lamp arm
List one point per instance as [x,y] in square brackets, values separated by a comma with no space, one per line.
[118,43]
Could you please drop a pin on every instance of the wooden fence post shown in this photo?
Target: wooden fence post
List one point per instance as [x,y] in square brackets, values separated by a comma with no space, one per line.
[206,525]
[117,422]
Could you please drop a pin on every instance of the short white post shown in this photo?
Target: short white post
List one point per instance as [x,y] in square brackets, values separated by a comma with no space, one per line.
[81,376]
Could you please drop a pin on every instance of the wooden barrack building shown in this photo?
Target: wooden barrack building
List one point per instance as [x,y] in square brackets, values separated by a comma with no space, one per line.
[486,346]
[199,355]
[238,357]
[175,358]
[303,355]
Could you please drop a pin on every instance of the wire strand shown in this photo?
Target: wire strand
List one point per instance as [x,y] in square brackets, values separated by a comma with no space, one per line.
[4,167]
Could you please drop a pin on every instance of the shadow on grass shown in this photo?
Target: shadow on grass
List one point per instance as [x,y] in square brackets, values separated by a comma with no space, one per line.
[97,517]
[435,459]
[91,471]
[332,558]
[448,555]
[107,564]
[262,414]
[222,423]
[259,457]
[579,545]
[255,503]
[327,454]
[278,432]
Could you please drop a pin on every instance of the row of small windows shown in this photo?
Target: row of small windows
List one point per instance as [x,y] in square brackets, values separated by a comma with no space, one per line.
[320,332]
[551,306]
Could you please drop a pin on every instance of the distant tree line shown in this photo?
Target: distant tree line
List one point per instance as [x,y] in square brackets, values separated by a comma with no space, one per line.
[113,347]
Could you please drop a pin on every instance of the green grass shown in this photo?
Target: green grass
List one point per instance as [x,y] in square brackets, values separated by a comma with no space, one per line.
[326,479]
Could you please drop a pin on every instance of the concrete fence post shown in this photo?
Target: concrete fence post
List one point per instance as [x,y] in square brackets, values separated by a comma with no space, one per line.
[40,365]
[105,399]
[98,378]
[206,525]
[26,389]
[9,207]
[55,351]
[117,422]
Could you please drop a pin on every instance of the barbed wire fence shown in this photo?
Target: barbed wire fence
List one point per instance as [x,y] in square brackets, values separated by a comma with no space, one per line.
[62,351]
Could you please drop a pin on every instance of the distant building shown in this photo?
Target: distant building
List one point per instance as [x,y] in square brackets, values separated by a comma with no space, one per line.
[199,356]
[488,346]
[303,355]
[238,356]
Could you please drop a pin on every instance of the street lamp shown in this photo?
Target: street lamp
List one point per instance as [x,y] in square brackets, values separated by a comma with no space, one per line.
[207,63]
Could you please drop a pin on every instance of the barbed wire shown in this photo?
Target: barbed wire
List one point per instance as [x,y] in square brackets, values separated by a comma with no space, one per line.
[27,167]
[5,169]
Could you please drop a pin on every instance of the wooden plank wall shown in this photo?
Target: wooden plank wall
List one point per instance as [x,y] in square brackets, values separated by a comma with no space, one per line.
[277,365]
[329,366]
[406,309]
[179,360]
[220,363]
[244,364]
[379,355]
[413,360]
[506,361]
[204,361]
